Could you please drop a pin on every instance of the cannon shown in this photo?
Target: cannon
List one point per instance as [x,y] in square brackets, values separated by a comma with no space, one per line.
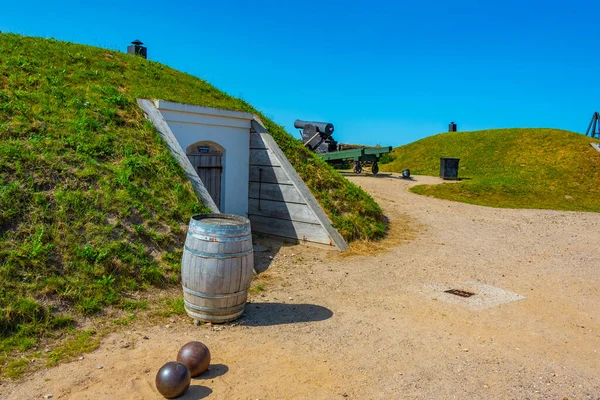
[317,136]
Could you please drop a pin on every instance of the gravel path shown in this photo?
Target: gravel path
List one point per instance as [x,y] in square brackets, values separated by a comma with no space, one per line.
[381,327]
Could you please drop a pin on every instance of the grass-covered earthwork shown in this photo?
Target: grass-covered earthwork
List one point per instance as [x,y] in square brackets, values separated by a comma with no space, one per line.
[93,207]
[512,168]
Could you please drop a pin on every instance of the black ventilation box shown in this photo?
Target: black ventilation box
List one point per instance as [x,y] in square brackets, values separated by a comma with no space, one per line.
[449,168]
[137,49]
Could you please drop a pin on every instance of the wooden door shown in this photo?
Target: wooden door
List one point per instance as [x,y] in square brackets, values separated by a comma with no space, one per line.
[209,169]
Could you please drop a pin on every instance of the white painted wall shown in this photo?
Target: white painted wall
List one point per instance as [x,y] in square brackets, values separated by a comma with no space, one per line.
[229,129]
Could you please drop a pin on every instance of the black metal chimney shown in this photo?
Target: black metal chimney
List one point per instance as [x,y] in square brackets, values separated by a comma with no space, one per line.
[452,127]
[137,49]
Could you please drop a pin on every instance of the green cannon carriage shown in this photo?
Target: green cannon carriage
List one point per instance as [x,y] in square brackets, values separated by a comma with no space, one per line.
[360,156]
[317,136]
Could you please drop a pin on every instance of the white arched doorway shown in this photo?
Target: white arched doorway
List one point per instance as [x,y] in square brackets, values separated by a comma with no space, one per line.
[207,159]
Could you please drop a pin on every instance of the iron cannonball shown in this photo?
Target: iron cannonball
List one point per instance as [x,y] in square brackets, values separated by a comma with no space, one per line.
[173,379]
[196,356]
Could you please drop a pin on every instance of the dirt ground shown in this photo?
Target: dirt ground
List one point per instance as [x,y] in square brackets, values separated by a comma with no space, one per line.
[380,326]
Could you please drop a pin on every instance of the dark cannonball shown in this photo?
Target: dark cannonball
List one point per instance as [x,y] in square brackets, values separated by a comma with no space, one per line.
[173,379]
[196,356]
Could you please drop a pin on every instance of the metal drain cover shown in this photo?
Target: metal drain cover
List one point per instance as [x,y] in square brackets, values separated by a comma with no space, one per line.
[471,294]
[458,292]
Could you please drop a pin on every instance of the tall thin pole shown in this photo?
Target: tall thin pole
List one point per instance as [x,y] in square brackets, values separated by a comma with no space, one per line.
[587,132]
[594,126]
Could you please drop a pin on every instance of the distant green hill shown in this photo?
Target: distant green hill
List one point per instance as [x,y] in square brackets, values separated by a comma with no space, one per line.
[92,203]
[514,168]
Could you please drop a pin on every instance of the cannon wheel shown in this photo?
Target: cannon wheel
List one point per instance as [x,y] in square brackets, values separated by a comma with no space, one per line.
[375,168]
[357,167]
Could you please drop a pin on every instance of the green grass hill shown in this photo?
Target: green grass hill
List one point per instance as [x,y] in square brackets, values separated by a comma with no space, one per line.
[92,204]
[513,168]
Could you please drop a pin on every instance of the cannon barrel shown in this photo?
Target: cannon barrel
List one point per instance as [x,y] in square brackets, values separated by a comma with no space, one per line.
[322,127]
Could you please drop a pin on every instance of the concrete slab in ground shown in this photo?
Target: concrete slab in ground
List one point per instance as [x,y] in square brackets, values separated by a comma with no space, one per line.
[484,296]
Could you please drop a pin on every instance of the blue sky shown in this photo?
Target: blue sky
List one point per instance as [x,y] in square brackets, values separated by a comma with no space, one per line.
[382,72]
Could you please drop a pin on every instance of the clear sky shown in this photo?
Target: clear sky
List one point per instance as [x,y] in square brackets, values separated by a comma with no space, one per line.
[383,72]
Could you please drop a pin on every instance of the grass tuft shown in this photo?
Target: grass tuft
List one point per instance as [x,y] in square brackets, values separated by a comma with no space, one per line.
[75,345]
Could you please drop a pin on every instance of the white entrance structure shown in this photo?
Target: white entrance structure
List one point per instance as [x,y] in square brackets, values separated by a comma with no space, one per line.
[196,128]
[236,167]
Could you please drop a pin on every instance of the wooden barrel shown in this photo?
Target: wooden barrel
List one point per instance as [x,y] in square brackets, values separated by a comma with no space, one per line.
[216,268]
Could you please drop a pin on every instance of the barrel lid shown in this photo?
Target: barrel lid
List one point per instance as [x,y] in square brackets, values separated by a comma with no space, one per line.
[219,224]
[220,219]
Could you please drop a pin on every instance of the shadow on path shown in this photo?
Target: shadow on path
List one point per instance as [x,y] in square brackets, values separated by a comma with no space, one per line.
[196,392]
[267,314]
[265,250]
[381,175]
[214,370]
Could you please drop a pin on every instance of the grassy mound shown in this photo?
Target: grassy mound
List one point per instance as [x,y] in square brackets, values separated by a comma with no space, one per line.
[513,168]
[91,201]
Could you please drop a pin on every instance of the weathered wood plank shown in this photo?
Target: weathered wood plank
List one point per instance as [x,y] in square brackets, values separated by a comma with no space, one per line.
[335,237]
[256,141]
[281,210]
[290,229]
[276,192]
[163,129]
[264,157]
[269,175]
[208,167]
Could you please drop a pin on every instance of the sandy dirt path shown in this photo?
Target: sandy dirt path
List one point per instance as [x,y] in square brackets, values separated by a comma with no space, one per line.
[381,327]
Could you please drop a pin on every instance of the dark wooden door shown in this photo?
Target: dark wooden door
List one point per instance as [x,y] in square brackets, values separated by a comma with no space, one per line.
[209,170]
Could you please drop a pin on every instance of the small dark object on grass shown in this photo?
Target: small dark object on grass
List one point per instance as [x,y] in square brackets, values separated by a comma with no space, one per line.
[406,173]
[196,356]
[173,379]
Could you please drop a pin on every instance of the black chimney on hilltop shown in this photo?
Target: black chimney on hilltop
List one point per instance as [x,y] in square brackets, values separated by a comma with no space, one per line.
[452,127]
[137,49]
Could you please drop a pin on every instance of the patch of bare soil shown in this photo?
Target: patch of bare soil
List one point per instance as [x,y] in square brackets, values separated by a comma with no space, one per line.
[381,325]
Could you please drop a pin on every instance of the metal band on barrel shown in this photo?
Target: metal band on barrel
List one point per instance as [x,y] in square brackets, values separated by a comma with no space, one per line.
[215,255]
[220,230]
[213,296]
[206,309]
[219,239]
